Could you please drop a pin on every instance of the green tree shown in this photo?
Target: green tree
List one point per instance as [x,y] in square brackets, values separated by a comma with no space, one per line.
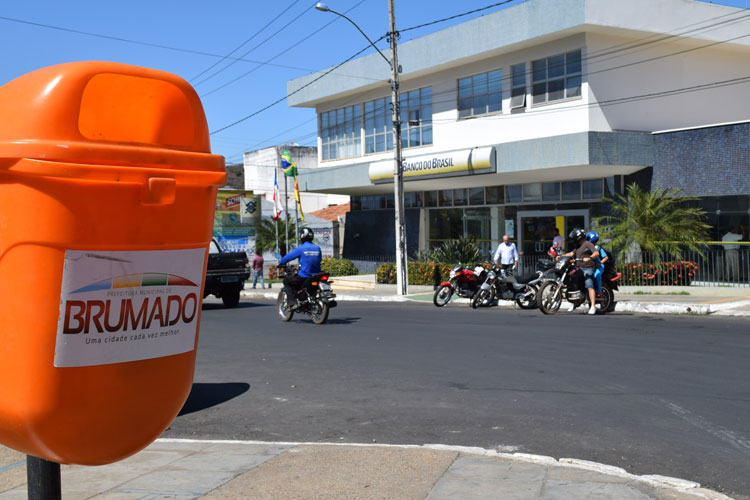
[265,236]
[661,222]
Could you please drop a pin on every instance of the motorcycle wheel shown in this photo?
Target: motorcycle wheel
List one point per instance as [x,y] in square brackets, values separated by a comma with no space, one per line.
[283,308]
[530,301]
[548,304]
[442,296]
[482,298]
[319,313]
[605,305]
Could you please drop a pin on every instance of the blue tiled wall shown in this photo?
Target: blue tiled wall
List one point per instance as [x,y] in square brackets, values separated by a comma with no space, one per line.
[711,161]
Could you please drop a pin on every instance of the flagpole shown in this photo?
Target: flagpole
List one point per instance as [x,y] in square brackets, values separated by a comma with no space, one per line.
[286,212]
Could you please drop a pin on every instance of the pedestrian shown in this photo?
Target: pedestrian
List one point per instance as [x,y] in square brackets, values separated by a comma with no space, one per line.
[558,242]
[506,255]
[258,269]
[732,253]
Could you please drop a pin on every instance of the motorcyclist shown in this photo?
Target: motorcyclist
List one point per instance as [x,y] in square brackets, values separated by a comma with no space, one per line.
[586,254]
[593,237]
[309,256]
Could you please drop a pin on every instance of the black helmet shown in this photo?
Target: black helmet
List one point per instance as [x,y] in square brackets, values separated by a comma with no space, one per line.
[306,234]
[577,235]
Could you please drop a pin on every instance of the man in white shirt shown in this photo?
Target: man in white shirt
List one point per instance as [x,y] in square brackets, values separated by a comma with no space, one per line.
[731,254]
[506,255]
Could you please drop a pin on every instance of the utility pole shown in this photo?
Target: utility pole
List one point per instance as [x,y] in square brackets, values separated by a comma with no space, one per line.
[402,274]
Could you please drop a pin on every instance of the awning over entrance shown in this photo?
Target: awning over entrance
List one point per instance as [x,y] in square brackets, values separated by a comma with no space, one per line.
[574,156]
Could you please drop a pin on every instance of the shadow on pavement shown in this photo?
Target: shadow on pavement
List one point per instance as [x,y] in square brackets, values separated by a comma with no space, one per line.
[210,306]
[204,396]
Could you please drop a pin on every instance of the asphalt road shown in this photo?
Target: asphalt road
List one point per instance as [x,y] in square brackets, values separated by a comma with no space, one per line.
[662,394]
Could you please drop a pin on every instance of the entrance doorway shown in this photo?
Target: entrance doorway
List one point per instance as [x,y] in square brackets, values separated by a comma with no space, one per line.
[536,229]
[477,225]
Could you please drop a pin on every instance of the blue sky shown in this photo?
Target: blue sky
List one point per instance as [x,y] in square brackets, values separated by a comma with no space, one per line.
[188,37]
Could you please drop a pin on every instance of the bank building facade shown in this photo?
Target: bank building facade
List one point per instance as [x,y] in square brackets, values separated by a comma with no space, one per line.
[523,120]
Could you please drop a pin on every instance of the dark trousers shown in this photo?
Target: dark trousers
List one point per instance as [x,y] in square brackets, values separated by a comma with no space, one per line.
[292,284]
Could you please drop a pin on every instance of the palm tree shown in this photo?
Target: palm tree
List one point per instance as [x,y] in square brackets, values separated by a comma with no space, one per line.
[265,236]
[660,222]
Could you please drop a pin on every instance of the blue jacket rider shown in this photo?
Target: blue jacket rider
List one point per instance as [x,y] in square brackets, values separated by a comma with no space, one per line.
[309,256]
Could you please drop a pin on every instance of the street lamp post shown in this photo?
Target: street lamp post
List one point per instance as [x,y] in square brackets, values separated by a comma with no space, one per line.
[402,276]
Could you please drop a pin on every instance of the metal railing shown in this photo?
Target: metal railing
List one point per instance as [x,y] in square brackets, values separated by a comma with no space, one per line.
[714,267]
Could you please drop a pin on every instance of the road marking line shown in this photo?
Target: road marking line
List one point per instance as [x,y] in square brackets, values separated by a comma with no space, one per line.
[733,439]
[728,299]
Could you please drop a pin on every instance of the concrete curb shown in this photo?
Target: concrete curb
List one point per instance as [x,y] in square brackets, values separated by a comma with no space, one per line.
[674,484]
[722,309]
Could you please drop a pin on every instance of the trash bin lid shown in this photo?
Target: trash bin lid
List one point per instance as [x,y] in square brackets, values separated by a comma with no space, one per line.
[105,113]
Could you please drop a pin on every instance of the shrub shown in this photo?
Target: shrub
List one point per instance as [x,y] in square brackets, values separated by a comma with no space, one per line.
[458,250]
[338,267]
[675,273]
[420,273]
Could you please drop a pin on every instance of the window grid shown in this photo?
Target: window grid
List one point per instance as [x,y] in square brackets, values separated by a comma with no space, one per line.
[416,117]
[378,126]
[556,78]
[341,132]
[480,94]
[518,86]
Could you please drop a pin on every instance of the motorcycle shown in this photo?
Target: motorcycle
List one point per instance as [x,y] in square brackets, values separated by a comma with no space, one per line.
[314,298]
[497,284]
[462,281]
[569,285]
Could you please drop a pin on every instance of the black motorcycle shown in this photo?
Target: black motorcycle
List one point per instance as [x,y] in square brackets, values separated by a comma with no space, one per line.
[569,285]
[314,298]
[497,284]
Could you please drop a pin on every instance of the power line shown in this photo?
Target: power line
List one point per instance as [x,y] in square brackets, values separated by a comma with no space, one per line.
[269,23]
[271,36]
[285,51]
[456,16]
[290,94]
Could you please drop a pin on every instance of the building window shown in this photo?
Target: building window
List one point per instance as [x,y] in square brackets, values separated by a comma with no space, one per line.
[495,195]
[518,87]
[480,94]
[445,197]
[459,197]
[592,189]
[571,190]
[476,196]
[532,192]
[513,194]
[557,77]
[378,126]
[551,191]
[430,198]
[340,133]
[416,117]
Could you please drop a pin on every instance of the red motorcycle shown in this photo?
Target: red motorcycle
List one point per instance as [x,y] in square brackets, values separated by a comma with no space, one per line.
[463,281]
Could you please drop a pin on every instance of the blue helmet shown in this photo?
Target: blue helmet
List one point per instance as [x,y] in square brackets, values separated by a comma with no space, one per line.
[592,236]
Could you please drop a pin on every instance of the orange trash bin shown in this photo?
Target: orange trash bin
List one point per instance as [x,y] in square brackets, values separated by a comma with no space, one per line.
[107,194]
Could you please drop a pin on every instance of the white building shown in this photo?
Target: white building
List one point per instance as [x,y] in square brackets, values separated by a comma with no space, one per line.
[260,166]
[522,120]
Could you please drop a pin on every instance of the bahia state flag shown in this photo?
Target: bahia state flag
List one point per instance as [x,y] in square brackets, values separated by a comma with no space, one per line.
[276,199]
[287,165]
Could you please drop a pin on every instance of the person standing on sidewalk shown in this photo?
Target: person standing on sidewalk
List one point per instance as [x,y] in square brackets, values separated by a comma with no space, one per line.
[732,253]
[258,269]
[506,255]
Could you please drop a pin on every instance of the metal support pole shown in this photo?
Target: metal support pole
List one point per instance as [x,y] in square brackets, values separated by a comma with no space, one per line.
[402,275]
[43,479]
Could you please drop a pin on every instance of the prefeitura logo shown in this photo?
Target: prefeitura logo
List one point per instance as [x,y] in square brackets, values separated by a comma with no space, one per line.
[111,314]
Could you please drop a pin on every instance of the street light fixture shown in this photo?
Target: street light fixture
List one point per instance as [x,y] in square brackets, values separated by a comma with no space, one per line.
[402,277]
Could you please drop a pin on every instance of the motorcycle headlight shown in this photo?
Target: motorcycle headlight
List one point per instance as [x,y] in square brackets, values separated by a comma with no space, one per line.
[452,274]
[559,265]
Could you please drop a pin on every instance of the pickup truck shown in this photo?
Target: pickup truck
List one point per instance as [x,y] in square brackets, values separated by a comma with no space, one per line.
[226,273]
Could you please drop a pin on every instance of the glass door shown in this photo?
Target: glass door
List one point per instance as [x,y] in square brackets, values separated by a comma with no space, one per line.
[537,229]
[477,224]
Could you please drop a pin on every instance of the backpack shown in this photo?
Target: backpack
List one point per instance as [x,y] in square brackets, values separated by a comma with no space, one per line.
[609,266]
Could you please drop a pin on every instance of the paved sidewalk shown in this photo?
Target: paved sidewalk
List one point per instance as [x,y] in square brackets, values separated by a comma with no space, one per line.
[187,469]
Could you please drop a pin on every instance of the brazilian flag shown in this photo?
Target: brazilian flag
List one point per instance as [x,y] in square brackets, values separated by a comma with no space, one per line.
[287,165]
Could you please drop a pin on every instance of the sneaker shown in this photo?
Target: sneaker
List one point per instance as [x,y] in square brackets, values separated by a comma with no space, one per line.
[592,310]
